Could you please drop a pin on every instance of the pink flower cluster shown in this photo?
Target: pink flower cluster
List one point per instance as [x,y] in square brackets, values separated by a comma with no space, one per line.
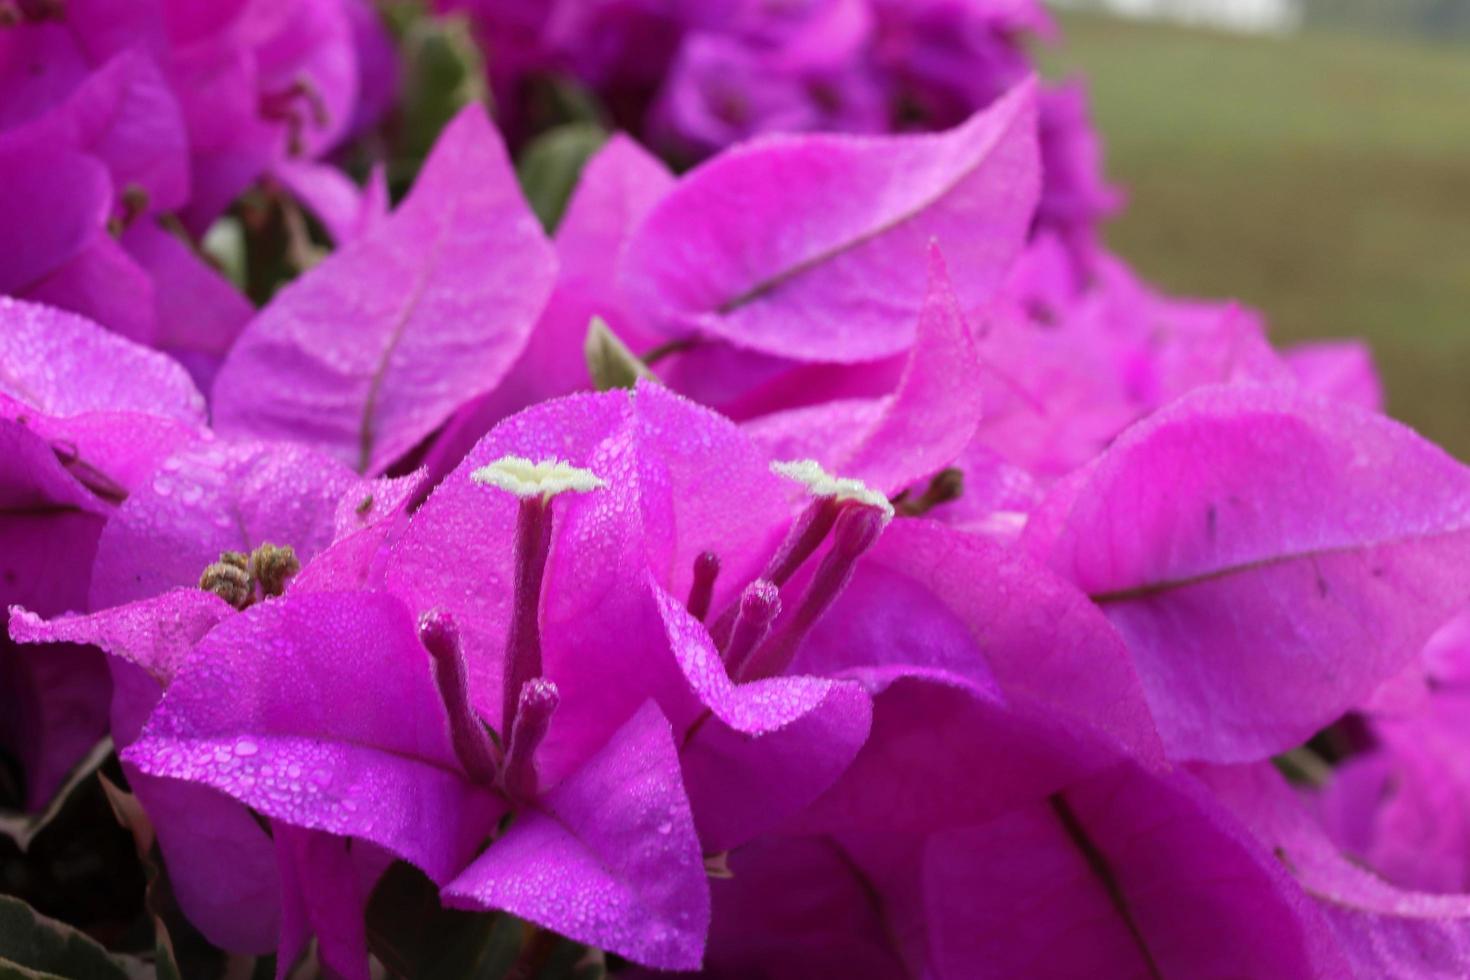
[868,591]
[693,77]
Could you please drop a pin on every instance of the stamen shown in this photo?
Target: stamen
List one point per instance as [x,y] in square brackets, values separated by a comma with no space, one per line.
[271,565]
[833,496]
[229,578]
[857,530]
[472,746]
[523,641]
[706,570]
[535,484]
[519,476]
[760,604]
[824,485]
[802,541]
[537,703]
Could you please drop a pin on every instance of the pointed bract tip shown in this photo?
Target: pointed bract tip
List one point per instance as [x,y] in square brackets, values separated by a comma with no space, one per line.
[824,484]
[519,476]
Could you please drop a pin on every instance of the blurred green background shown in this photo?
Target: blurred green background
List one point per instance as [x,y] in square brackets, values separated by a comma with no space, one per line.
[1323,177]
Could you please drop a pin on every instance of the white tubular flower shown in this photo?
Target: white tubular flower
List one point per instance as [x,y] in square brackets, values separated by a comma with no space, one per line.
[522,478]
[823,484]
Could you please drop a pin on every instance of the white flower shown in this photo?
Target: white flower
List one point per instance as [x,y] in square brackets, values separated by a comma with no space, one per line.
[523,478]
[824,484]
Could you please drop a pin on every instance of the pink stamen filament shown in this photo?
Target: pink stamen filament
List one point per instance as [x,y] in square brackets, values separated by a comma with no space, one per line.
[857,528]
[804,538]
[523,643]
[701,592]
[538,701]
[472,746]
[760,604]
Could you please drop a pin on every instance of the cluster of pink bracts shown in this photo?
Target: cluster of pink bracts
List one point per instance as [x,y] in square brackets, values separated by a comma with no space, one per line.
[917,594]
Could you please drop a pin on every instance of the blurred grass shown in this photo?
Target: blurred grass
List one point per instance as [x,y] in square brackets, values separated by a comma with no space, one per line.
[1324,179]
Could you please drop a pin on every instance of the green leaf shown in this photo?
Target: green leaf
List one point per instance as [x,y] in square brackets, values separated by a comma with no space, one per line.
[416,938]
[23,828]
[31,945]
[609,361]
[550,165]
[443,71]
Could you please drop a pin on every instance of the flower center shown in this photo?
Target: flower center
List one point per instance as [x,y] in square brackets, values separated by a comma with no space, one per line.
[241,579]
[535,485]
[529,700]
[853,514]
[522,478]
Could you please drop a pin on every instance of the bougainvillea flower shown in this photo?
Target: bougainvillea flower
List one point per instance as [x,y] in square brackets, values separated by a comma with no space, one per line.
[258,83]
[1245,537]
[975,837]
[1122,874]
[844,282]
[1074,195]
[680,482]
[206,499]
[125,116]
[212,497]
[147,643]
[85,415]
[1376,930]
[721,90]
[111,409]
[118,267]
[568,803]
[1065,373]
[693,500]
[894,442]
[443,295]
[1395,807]
[253,83]
[54,708]
[1051,647]
[411,757]
[1341,368]
[616,188]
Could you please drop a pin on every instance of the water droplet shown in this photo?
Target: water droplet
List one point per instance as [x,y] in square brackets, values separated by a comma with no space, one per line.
[246,747]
